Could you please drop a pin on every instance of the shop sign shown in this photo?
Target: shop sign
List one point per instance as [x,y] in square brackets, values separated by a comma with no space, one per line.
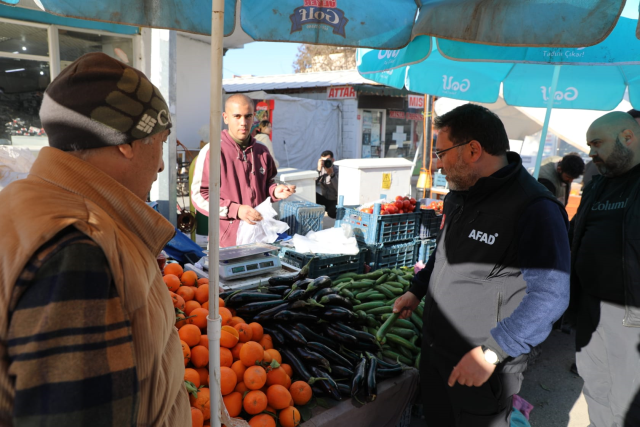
[396,114]
[416,101]
[414,116]
[342,92]
[316,13]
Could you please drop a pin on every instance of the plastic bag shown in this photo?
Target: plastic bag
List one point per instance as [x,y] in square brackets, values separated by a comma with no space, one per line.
[337,240]
[15,163]
[265,231]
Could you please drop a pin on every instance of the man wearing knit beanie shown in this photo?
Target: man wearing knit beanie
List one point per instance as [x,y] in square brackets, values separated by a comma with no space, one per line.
[87,330]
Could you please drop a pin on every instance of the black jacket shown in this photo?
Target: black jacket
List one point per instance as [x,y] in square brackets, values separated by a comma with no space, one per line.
[630,251]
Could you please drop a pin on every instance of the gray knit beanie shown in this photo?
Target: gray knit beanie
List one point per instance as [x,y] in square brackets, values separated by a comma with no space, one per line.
[98,101]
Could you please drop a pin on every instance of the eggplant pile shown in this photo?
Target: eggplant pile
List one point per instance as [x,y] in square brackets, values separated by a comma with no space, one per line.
[333,333]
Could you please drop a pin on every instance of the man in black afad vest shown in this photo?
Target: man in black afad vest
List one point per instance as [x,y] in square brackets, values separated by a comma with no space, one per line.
[499,278]
[605,274]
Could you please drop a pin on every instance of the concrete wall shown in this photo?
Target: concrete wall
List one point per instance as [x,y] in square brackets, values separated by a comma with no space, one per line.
[194,87]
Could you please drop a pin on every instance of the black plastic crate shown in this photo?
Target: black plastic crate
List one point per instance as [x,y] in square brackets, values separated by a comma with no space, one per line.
[429,224]
[325,264]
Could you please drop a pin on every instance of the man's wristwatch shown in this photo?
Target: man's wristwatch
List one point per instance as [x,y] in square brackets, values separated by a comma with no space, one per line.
[490,356]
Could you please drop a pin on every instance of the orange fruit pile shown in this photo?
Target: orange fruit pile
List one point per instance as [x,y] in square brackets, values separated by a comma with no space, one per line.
[252,375]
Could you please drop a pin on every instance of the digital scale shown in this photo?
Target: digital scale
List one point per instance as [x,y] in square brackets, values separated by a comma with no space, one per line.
[247,260]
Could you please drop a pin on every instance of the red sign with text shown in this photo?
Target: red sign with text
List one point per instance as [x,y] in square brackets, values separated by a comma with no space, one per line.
[321,3]
[396,114]
[342,92]
[414,116]
[416,101]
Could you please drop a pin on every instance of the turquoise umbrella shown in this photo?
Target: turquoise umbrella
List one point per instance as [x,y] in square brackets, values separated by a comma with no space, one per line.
[594,78]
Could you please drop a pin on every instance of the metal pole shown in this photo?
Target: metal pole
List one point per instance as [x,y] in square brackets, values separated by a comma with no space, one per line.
[214,323]
[429,107]
[545,127]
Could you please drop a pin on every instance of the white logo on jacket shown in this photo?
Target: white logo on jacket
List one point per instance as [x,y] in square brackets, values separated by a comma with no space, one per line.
[480,236]
[262,170]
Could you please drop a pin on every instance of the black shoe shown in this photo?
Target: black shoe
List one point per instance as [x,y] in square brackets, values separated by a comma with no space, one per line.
[574,369]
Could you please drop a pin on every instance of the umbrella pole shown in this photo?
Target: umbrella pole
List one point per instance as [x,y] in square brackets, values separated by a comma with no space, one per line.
[214,323]
[545,127]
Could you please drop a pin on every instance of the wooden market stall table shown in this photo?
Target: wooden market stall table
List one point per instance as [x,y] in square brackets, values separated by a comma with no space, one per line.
[393,404]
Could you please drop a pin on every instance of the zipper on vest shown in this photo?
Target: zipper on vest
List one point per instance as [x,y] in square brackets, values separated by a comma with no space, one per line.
[499,306]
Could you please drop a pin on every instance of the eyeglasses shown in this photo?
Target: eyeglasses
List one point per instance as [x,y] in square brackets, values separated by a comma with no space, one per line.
[439,154]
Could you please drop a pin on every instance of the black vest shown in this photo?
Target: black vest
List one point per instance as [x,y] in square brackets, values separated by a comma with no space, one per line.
[477,281]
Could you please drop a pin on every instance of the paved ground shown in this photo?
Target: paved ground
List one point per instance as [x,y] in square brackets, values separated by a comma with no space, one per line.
[548,385]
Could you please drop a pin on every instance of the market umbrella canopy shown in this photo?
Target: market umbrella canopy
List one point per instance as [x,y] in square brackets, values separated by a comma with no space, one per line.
[380,24]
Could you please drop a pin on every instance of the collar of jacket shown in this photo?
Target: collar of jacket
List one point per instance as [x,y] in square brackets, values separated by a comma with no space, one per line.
[488,184]
[228,141]
[119,202]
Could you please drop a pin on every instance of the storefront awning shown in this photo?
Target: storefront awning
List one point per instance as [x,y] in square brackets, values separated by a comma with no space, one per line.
[381,91]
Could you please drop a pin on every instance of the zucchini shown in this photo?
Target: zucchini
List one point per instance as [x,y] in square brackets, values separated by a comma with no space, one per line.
[393,290]
[402,342]
[357,285]
[391,302]
[368,305]
[397,357]
[384,290]
[375,297]
[402,332]
[403,281]
[380,310]
[394,284]
[386,325]
[382,279]
[346,275]
[417,320]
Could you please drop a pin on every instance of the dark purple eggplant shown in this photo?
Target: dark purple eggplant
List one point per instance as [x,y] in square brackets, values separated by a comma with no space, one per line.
[249,297]
[357,383]
[291,279]
[296,364]
[276,336]
[291,336]
[295,295]
[338,314]
[344,389]
[323,292]
[361,335]
[314,336]
[329,385]
[302,284]
[321,282]
[312,358]
[341,337]
[257,307]
[353,357]
[371,384]
[280,290]
[293,316]
[268,314]
[328,353]
[341,372]
[317,391]
[336,300]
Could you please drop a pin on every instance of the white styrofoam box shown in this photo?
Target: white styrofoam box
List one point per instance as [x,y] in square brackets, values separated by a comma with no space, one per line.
[305,182]
[361,179]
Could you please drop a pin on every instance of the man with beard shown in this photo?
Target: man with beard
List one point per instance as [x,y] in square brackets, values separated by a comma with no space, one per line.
[499,278]
[557,173]
[605,274]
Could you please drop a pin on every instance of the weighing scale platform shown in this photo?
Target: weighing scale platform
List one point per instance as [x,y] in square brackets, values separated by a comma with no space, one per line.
[246,282]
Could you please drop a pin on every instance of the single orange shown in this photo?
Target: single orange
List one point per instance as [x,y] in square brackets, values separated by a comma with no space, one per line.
[202,294]
[202,402]
[255,377]
[238,368]
[266,342]
[226,358]
[172,281]
[200,319]
[186,352]
[177,300]
[245,332]
[275,376]
[266,358]
[241,387]
[193,376]
[300,392]
[200,356]
[275,354]
[197,417]
[228,337]
[257,331]
[262,420]
[251,353]
[204,376]
[226,315]
[233,403]
[189,306]
[204,340]
[287,368]
[202,281]
[190,334]
[235,320]
[235,351]
[289,417]
[180,323]
[186,292]
[288,383]
[254,402]
[278,396]
[173,268]
[189,278]
[228,380]
[206,305]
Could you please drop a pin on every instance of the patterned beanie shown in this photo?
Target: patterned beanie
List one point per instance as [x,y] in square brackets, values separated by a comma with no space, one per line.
[98,101]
